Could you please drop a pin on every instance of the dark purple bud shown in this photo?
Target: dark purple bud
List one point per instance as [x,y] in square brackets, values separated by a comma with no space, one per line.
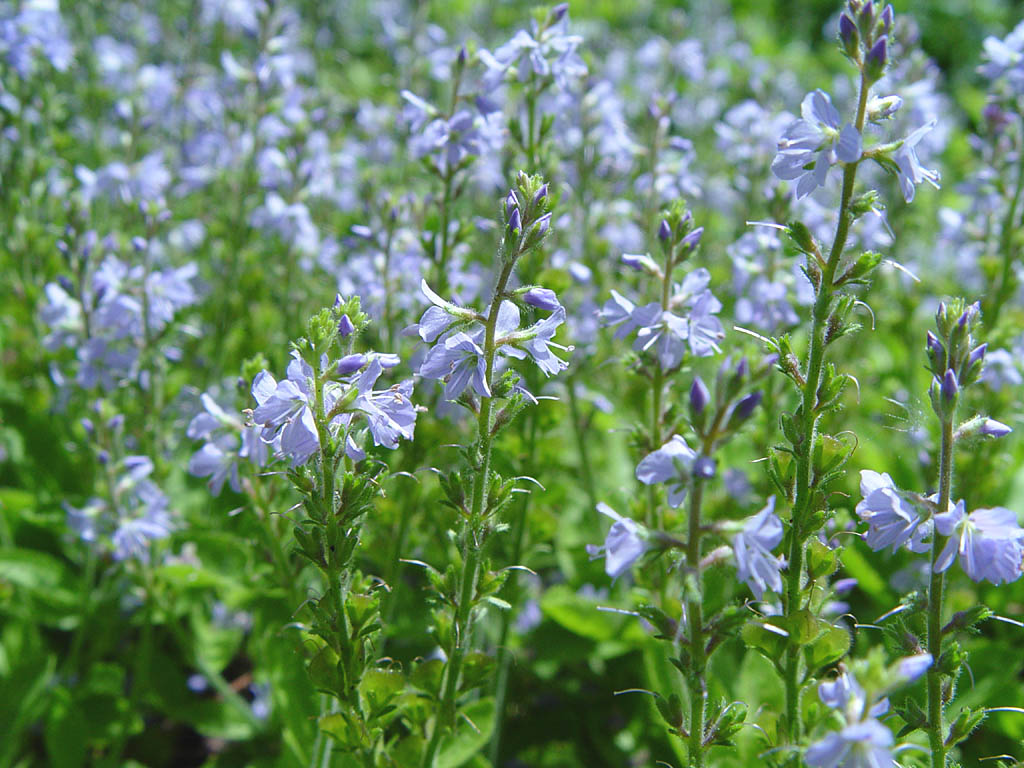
[337,300]
[115,423]
[65,282]
[969,315]
[511,203]
[699,395]
[351,363]
[559,11]
[542,298]
[541,227]
[345,326]
[847,30]
[139,244]
[936,352]
[88,426]
[950,386]
[977,355]
[746,406]
[103,457]
[693,239]
[664,231]
[993,428]
[514,222]
[877,58]
[867,15]
[887,17]
[540,195]
[705,467]
[461,59]
[637,261]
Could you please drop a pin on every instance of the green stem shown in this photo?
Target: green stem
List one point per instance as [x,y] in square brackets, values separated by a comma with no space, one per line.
[935,736]
[804,498]
[472,534]
[695,625]
[587,475]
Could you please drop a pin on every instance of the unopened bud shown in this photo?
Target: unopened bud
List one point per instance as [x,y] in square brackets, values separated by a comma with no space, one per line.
[950,386]
[692,240]
[351,364]
[664,231]
[877,59]
[540,195]
[345,326]
[699,396]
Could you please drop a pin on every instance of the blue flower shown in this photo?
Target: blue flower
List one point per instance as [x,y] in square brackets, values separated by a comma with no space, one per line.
[671,464]
[988,541]
[866,744]
[623,546]
[811,146]
[755,563]
[390,413]
[911,172]
[285,411]
[461,360]
[892,520]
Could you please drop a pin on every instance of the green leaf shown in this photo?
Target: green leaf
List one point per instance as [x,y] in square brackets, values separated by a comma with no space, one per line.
[580,616]
[67,732]
[473,728]
[830,646]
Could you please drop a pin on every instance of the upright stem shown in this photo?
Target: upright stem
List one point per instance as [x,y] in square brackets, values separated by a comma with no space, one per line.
[935,736]
[803,501]
[471,538]
[695,625]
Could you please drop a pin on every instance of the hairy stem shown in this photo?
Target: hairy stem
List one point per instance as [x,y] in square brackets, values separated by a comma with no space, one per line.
[695,625]
[935,738]
[472,535]
[804,499]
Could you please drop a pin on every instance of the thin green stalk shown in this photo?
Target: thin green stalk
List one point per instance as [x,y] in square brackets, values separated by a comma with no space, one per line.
[504,661]
[808,403]
[936,739]
[586,473]
[471,531]
[695,625]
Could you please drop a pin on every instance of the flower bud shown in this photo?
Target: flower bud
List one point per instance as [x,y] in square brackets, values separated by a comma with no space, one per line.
[882,107]
[692,240]
[664,231]
[699,396]
[514,223]
[936,353]
[65,282]
[705,467]
[540,195]
[887,18]
[950,387]
[849,36]
[877,59]
[993,428]
[351,364]
[345,326]
[542,298]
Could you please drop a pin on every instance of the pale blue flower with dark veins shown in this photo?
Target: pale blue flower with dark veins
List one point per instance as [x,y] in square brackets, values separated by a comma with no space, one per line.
[892,520]
[755,563]
[812,145]
[866,744]
[539,346]
[989,542]
[285,411]
[911,172]
[623,546]
[389,412]
[671,464]
[461,360]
